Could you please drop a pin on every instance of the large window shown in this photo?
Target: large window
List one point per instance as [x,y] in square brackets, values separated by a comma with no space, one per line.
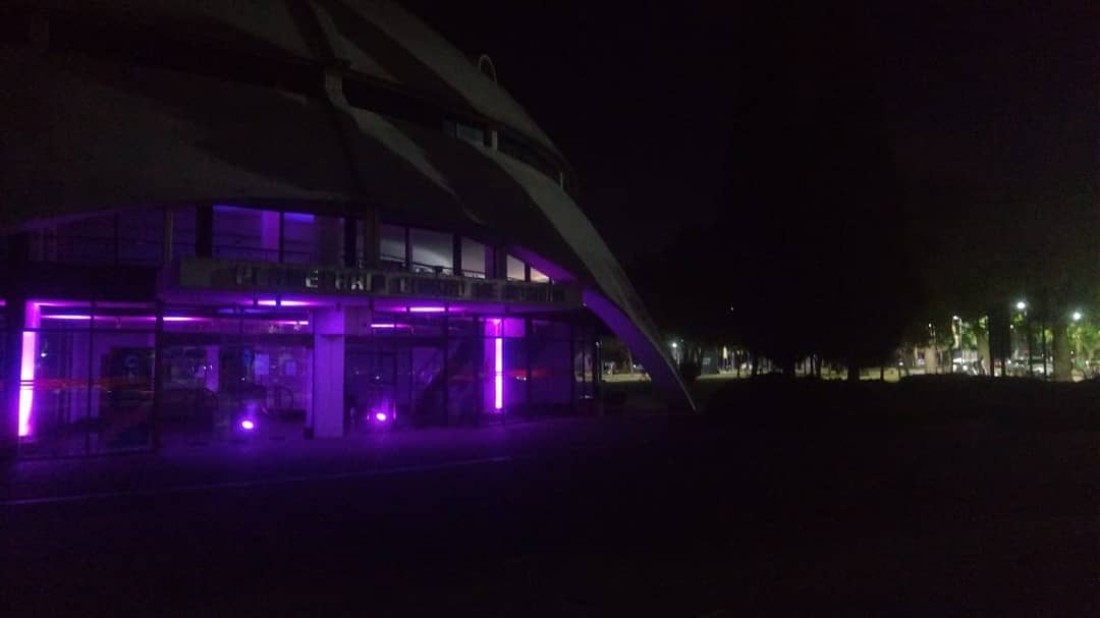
[517,270]
[473,258]
[432,252]
[245,234]
[392,248]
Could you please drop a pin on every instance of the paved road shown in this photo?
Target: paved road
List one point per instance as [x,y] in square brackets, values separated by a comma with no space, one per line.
[570,519]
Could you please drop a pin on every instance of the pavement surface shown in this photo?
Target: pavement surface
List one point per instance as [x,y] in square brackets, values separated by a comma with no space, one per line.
[653,516]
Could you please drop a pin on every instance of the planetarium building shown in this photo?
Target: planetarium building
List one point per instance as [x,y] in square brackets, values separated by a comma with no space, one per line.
[283,219]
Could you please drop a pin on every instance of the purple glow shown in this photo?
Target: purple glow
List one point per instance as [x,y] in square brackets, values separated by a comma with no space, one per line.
[383,411]
[383,325]
[498,373]
[248,425]
[26,378]
[181,318]
[271,302]
[82,316]
[427,309]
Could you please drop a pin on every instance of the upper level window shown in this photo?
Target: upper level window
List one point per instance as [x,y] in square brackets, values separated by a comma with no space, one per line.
[473,258]
[299,238]
[466,132]
[392,250]
[516,269]
[246,234]
[432,252]
[538,276]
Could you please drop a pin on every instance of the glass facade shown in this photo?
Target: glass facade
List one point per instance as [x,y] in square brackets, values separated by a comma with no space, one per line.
[87,377]
[256,235]
[208,365]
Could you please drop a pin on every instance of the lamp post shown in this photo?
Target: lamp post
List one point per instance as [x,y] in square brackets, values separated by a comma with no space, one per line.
[1077,315]
[956,340]
[1022,306]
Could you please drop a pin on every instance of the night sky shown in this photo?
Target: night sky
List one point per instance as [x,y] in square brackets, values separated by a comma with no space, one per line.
[990,117]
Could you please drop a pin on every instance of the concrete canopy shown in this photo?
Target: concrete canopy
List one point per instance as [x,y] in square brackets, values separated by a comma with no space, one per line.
[114,112]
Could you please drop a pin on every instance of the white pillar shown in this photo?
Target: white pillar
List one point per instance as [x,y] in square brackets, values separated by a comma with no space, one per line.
[328,373]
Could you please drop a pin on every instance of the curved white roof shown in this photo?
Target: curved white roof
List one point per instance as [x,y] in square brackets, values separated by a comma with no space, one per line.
[374,37]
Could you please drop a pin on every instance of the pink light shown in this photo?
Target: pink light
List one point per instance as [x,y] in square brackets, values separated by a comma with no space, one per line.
[498,373]
[80,316]
[271,302]
[381,417]
[427,309]
[383,325]
[248,425]
[26,378]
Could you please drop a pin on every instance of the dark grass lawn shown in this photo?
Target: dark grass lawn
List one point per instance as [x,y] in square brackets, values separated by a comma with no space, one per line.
[783,499]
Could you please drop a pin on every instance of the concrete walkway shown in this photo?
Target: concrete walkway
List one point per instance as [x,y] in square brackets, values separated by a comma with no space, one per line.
[236,464]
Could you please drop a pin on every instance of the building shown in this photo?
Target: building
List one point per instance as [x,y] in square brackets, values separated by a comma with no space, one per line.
[225,219]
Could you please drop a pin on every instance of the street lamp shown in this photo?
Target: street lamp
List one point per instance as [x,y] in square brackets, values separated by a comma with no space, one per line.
[1077,316]
[1022,306]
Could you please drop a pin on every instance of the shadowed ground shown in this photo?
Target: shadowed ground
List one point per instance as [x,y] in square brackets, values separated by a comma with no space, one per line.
[625,515]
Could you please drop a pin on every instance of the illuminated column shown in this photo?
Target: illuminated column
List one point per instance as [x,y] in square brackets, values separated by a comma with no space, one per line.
[494,365]
[328,420]
[28,358]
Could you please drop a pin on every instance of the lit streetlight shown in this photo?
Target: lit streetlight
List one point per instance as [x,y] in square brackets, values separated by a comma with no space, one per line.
[1022,306]
[1077,316]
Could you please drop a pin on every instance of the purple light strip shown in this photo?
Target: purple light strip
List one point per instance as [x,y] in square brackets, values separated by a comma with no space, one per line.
[79,316]
[427,309]
[384,325]
[498,373]
[26,379]
[271,302]
[28,361]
